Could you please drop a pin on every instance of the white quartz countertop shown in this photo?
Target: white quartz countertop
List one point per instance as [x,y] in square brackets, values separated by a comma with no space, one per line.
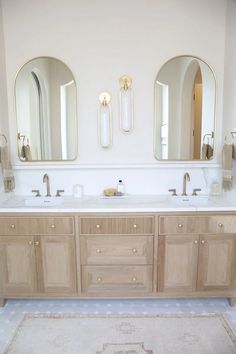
[132,204]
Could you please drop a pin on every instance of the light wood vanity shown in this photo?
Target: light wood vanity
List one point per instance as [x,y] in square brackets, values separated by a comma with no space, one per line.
[120,255]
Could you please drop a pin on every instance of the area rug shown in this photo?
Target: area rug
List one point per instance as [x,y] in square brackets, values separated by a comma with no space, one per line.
[108,334]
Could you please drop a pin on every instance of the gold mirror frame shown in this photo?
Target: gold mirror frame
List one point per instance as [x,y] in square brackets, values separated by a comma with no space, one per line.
[21,139]
[212,133]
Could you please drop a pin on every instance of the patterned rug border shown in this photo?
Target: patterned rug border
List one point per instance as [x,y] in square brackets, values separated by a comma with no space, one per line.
[225,323]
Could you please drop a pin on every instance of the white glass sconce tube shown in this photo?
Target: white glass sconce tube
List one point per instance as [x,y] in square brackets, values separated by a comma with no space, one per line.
[126,104]
[104,120]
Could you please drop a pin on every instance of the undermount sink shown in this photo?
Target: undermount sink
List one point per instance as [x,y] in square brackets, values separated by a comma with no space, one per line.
[189,199]
[44,201]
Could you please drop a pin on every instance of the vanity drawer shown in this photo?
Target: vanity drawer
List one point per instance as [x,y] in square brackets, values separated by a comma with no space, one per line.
[182,225]
[209,224]
[36,226]
[52,225]
[116,250]
[222,224]
[139,225]
[15,226]
[116,280]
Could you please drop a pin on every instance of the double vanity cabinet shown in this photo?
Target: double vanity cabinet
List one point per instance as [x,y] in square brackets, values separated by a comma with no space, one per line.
[65,255]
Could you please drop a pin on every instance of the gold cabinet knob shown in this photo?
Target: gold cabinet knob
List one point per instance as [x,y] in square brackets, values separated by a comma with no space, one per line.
[13,226]
[36,243]
[135,226]
[180,226]
[53,226]
[196,242]
[202,242]
[220,224]
[98,226]
[134,250]
[30,243]
[134,279]
[99,279]
[98,250]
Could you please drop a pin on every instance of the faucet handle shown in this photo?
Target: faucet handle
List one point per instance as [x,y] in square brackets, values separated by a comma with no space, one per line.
[37,191]
[59,191]
[173,190]
[195,190]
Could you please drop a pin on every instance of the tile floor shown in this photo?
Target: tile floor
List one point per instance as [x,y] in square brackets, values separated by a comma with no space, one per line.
[14,310]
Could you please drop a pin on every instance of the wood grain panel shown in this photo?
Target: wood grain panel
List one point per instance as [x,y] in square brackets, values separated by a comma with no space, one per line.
[116,279]
[178,257]
[116,250]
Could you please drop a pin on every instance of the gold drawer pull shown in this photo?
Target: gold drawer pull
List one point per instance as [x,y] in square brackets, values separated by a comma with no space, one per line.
[99,279]
[180,226]
[134,250]
[202,242]
[36,243]
[220,224]
[30,243]
[135,226]
[98,226]
[13,226]
[196,242]
[53,226]
[134,279]
[98,250]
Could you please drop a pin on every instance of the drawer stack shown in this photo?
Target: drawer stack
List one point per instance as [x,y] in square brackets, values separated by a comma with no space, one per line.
[116,255]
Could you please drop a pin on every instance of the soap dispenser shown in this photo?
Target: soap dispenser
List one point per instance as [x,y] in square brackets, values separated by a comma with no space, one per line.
[120,187]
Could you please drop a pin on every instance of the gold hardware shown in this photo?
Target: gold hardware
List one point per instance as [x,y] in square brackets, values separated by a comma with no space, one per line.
[134,250]
[134,279]
[53,226]
[37,191]
[36,243]
[220,224]
[98,226]
[173,191]
[196,242]
[105,98]
[59,191]
[195,190]
[180,226]
[135,226]
[99,279]
[125,82]
[98,250]
[13,226]
[30,243]
[202,242]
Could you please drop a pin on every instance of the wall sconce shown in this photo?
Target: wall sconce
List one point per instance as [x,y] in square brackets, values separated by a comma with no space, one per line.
[126,104]
[104,120]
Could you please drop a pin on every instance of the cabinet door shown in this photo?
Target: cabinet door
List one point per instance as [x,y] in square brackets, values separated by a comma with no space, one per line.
[216,267]
[17,264]
[177,263]
[56,264]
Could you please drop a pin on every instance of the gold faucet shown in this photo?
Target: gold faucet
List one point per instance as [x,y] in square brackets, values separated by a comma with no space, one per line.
[46,180]
[185,179]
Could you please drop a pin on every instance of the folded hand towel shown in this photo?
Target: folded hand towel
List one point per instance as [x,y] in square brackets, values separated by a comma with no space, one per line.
[227,166]
[207,151]
[8,178]
[26,153]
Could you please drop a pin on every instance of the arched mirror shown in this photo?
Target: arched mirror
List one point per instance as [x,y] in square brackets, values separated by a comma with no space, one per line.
[46,112]
[184,128]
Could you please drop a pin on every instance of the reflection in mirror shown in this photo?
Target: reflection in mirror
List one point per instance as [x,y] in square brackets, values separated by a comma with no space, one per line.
[45,93]
[184,110]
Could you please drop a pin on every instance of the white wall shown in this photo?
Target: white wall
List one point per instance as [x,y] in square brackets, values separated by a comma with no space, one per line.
[101,41]
[229,114]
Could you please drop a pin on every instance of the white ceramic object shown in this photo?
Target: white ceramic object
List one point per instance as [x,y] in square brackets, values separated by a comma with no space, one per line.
[44,201]
[192,200]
